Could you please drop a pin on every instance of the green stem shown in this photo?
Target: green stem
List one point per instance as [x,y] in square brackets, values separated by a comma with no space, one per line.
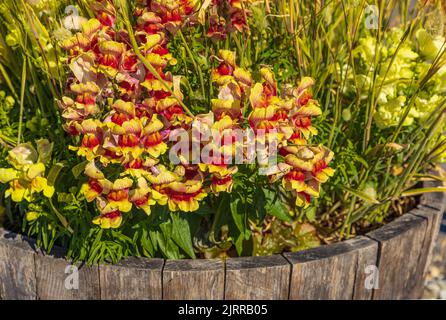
[147,64]
[22,100]
[421,151]
[196,66]
[8,80]
[346,224]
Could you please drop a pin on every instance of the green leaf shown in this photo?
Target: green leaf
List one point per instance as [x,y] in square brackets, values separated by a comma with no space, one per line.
[165,242]
[415,192]
[260,204]
[157,238]
[430,177]
[78,169]
[239,244]
[60,216]
[52,177]
[310,213]
[236,211]
[146,243]
[239,215]
[44,149]
[65,197]
[54,173]
[275,207]
[181,234]
[153,235]
[22,99]
[173,252]
[205,210]
[361,195]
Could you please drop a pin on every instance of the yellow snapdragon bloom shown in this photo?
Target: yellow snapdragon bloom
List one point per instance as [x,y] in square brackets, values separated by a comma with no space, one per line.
[27,176]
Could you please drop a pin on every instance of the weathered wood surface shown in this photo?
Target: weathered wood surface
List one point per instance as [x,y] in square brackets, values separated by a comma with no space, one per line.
[433,218]
[335,271]
[193,279]
[400,250]
[254,278]
[58,279]
[132,279]
[17,268]
[434,201]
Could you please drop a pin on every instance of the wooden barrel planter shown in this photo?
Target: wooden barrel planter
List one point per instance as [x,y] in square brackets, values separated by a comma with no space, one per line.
[396,256]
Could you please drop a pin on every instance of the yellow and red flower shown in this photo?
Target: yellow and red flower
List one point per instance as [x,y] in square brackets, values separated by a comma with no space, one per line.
[172,12]
[321,171]
[137,167]
[83,42]
[131,132]
[223,183]
[153,137]
[97,183]
[170,109]
[105,12]
[118,196]
[228,71]
[309,170]
[110,58]
[141,196]
[109,220]
[83,106]
[160,178]
[125,139]
[305,108]
[185,196]
[92,136]
[294,180]
[236,12]
[229,101]
[217,28]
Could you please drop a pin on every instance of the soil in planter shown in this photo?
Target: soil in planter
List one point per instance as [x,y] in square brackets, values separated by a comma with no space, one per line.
[330,230]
